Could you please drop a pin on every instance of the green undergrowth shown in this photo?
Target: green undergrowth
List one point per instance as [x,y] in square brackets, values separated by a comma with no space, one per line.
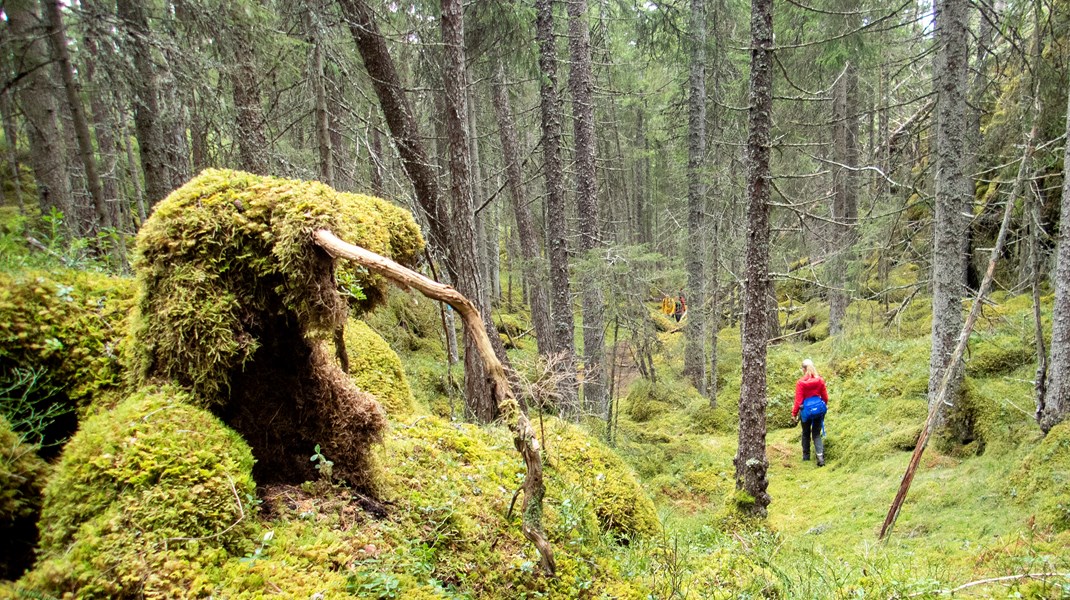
[61,341]
[22,478]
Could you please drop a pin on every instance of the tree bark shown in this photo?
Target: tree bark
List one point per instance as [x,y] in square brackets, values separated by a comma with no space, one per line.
[502,395]
[750,461]
[58,37]
[148,120]
[462,222]
[317,77]
[529,241]
[695,328]
[581,84]
[254,151]
[953,192]
[104,123]
[944,388]
[1055,402]
[845,194]
[11,136]
[38,99]
[556,225]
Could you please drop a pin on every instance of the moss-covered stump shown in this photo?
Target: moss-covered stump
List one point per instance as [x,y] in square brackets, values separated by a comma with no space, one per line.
[145,499]
[376,368]
[60,338]
[22,479]
[235,300]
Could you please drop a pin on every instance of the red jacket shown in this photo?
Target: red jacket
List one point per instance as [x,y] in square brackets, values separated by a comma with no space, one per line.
[806,387]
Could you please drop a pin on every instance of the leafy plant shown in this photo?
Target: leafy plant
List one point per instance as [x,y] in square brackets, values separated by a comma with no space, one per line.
[324,466]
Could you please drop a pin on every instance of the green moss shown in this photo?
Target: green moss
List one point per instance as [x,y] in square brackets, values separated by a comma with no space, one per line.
[998,354]
[145,498]
[22,480]
[229,246]
[376,368]
[409,322]
[647,400]
[620,503]
[1043,479]
[65,328]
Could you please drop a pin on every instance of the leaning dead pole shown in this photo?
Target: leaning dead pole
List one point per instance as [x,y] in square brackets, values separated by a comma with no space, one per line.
[523,433]
[960,348]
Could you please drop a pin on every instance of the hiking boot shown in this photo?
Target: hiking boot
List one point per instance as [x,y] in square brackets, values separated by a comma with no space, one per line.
[820,460]
[806,457]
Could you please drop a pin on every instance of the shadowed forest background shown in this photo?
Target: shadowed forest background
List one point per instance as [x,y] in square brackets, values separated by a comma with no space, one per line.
[203,397]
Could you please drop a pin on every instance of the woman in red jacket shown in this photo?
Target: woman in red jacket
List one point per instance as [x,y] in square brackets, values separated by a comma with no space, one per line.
[811,398]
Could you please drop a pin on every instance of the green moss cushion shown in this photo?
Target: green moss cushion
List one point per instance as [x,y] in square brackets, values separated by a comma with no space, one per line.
[145,499]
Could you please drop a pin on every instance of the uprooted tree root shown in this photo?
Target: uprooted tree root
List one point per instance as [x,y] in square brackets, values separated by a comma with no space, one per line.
[527,444]
[236,306]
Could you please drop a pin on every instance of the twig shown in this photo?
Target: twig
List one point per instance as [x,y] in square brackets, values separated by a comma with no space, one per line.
[988,581]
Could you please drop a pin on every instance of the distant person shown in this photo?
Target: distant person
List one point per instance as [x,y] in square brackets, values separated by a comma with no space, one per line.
[811,400]
[681,308]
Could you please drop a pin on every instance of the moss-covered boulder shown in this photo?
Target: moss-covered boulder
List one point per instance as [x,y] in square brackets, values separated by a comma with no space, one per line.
[146,498]
[235,302]
[376,368]
[60,339]
[22,479]
[1043,479]
[621,505]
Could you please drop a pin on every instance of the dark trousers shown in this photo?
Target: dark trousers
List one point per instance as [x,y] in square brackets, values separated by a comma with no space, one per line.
[812,429]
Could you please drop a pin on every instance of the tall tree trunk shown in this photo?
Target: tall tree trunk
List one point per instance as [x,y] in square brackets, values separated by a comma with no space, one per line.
[253,149]
[38,99]
[529,241]
[452,237]
[400,120]
[57,35]
[375,164]
[480,401]
[695,348]
[953,191]
[104,123]
[11,137]
[750,461]
[1054,402]
[317,77]
[845,193]
[556,225]
[148,119]
[581,84]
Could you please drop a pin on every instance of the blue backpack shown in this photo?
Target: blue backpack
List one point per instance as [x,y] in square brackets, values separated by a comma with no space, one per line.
[812,407]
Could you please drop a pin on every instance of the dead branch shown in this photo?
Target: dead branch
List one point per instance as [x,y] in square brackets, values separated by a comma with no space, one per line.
[991,580]
[523,434]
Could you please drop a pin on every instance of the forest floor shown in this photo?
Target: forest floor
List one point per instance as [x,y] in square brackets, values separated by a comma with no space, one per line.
[981,506]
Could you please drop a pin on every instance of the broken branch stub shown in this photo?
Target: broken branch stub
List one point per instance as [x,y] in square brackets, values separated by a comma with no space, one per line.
[523,433]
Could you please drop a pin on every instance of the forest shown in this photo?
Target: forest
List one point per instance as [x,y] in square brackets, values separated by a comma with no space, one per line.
[516,299]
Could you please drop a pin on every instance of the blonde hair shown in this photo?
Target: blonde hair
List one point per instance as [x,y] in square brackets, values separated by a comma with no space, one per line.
[809,370]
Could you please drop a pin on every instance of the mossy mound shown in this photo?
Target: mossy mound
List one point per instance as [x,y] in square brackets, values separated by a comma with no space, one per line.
[998,354]
[22,480]
[647,400]
[234,300]
[1044,478]
[60,338]
[145,499]
[620,503]
[376,368]
[811,320]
